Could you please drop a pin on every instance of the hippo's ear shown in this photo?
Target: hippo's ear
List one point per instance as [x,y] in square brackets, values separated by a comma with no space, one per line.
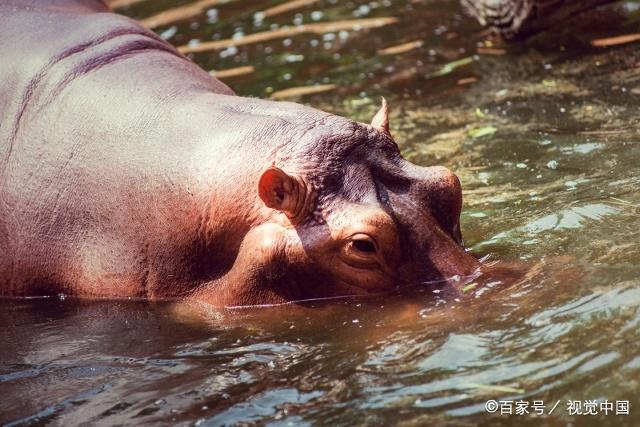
[381,120]
[282,192]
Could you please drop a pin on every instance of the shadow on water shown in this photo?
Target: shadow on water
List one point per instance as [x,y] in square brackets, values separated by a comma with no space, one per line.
[544,136]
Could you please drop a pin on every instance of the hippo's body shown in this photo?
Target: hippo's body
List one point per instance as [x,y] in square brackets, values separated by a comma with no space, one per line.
[127,171]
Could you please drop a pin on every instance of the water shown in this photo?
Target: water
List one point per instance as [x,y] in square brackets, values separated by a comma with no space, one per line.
[544,136]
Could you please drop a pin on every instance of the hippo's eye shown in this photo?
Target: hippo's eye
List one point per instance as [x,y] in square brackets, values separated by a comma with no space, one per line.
[361,250]
[364,245]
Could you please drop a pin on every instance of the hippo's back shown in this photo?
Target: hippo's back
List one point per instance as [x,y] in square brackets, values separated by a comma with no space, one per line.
[82,95]
[37,36]
[44,44]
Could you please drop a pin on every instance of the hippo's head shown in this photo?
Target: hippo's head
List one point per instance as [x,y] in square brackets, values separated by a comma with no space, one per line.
[351,216]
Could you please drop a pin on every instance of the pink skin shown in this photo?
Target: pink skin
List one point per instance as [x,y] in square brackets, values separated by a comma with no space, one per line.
[127,171]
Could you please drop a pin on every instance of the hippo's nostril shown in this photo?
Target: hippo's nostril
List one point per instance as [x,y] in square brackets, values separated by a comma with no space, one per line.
[441,193]
[457,235]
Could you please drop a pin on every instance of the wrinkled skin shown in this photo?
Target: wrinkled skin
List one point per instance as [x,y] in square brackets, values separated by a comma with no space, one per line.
[127,171]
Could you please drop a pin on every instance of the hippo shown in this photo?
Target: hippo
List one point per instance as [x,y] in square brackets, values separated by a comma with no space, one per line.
[126,171]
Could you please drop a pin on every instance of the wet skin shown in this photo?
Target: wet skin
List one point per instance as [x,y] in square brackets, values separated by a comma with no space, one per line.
[127,171]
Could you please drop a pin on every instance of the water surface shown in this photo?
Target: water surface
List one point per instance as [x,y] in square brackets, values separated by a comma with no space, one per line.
[544,135]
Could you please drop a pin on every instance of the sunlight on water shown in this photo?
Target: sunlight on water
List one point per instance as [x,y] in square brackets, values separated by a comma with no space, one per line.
[544,136]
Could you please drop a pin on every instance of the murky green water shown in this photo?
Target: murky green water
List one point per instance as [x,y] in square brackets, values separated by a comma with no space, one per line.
[545,137]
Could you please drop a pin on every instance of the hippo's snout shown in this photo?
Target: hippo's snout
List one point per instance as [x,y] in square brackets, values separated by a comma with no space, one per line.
[446,202]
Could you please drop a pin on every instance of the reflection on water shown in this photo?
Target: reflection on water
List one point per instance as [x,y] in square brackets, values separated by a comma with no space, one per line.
[544,136]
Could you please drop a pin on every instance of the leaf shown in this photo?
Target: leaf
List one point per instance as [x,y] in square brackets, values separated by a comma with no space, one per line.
[483,131]
[451,66]
[469,287]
